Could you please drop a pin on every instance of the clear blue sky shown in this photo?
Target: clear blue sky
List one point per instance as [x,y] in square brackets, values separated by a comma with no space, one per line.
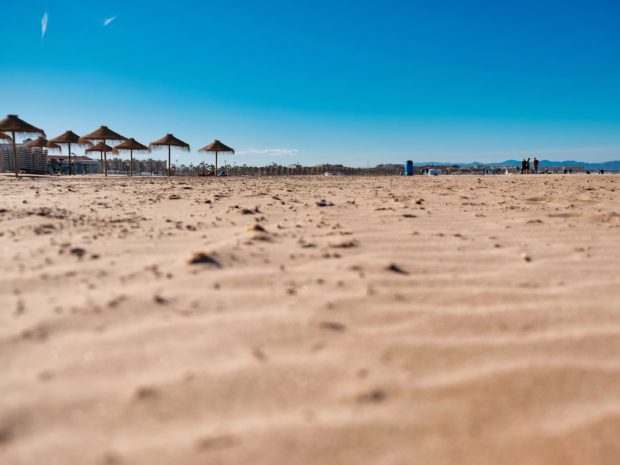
[324,80]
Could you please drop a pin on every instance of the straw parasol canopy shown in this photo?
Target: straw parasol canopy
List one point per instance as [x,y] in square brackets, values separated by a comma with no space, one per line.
[68,138]
[3,136]
[103,134]
[131,144]
[14,125]
[170,141]
[42,143]
[217,147]
[100,147]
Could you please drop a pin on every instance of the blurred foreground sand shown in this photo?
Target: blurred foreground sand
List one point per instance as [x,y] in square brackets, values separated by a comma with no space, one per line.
[448,320]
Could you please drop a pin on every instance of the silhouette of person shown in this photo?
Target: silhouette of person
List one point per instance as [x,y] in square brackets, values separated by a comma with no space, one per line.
[536,165]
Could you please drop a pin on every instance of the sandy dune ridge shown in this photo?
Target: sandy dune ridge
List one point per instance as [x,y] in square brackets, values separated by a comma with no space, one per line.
[401,321]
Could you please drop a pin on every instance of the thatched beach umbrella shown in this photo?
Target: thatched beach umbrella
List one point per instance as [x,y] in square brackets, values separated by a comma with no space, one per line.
[68,138]
[103,149]
[217,147]
[42,143]
[14,125]
[170,141]
[103,134]
[131,144]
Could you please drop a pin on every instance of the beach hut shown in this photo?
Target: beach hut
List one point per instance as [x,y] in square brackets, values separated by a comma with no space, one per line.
[131,144]
[103,134]
[170,141]
[217,147]
[103,149]
[12,124]
[68,138]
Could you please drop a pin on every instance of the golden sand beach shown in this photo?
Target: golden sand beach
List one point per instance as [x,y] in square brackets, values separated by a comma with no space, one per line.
[310,320]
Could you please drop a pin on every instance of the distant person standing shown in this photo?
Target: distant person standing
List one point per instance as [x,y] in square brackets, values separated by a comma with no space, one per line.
[527,166]
[523,165]
[536,165]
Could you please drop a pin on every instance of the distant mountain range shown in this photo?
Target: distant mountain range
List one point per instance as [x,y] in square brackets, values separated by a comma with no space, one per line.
[607,165]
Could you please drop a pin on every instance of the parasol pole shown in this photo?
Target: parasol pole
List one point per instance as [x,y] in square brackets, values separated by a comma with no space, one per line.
[130,163]
[69,144]
[15,160]
[169,169]
[105,162]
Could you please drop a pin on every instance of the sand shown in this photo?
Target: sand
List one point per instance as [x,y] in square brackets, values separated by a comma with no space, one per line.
[445,320]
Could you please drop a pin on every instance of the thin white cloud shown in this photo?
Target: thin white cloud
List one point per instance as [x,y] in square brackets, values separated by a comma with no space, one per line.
[270,152]
[554,151]
[43,25]
[108,21]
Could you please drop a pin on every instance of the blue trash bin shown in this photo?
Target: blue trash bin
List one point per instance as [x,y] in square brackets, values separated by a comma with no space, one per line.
[409,168]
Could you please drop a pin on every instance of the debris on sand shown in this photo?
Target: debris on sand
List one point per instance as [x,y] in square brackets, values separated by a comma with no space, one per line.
[306,245]
[44,229]
[394,268]
[201,258]
[258,232]
[216,443]
[257,228]
[332,325]
[6,434]
[259,354]
[77,251]
[345,244]
[324,203]
[145,392]
[374,396]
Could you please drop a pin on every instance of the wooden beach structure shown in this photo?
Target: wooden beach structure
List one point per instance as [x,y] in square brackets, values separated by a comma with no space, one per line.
[169,141]
[103,134]
[217,147]
[14,125]
[103,149]
[69,138]
[132,145]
